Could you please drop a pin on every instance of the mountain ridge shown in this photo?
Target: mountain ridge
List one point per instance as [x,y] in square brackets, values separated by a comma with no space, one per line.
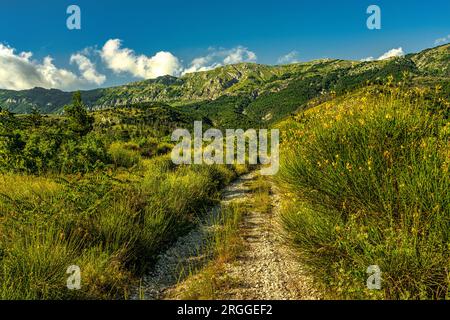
[250,80]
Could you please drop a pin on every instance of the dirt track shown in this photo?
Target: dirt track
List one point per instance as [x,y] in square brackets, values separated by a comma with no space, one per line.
[265,269]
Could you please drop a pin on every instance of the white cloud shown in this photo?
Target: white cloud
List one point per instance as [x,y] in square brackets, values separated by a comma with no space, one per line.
[87,69]
[238,55]
[18,71]
[392,53]
[124,60]
[291,57]
[220,57]
[396,52]
[368,59]
[442,40]
[202,64]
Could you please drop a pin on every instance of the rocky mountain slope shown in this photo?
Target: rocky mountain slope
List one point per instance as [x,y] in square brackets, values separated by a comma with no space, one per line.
[259,92]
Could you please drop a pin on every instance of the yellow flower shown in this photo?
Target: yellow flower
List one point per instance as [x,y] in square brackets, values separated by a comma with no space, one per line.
[348,166]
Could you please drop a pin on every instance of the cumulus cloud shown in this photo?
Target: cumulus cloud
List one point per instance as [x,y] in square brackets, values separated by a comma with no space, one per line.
[396,52]
[125,60]
[442,40]
[238,55]
[87,69]
[202,64]
[220,57]
[392,53]
[18,71]
[291,57]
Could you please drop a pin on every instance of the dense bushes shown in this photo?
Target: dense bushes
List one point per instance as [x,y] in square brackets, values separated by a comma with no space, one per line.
[124,154]
[42,150]
[36,145]
[367,183]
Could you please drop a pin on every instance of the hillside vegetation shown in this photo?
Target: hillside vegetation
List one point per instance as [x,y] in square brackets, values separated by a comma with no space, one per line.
[251,93]
[86,179]
[366,183]
[95,190]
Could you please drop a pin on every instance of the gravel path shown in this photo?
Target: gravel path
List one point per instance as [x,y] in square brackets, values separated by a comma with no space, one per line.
[188,252]
[266,269]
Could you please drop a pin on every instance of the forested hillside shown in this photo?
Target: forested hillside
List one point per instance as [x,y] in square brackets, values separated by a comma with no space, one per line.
[247,93]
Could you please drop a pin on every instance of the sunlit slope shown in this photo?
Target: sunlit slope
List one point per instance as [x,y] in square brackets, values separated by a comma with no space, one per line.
[259,92]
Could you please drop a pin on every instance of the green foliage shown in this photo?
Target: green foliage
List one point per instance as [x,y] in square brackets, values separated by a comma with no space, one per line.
[88,155]
[245,79]
[35,117]
[80,122]
[366,174]
[368,184]
[33,144]
[112,227]
[124,155]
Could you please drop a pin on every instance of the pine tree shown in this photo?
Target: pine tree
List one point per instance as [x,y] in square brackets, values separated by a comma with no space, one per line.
[80,122]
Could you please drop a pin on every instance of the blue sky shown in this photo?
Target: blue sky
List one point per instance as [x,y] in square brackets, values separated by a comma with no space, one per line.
[198,35]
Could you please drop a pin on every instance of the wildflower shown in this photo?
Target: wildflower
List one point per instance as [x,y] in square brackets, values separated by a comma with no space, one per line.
[438,88]
[349,167]
[369,164]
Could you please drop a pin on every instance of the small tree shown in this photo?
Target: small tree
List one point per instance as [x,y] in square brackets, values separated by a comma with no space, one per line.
[35,117]
[80,121]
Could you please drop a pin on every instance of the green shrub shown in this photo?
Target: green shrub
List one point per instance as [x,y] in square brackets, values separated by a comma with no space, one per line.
[123,156]
[367,183]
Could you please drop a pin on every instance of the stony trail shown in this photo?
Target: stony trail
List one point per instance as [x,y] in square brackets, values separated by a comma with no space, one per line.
[266,268]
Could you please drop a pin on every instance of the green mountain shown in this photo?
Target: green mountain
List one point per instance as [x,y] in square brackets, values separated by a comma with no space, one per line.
[246,93]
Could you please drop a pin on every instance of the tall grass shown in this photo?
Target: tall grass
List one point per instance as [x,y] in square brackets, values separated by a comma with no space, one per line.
[111,225]
[367,183]
[224,246]
[124,155]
